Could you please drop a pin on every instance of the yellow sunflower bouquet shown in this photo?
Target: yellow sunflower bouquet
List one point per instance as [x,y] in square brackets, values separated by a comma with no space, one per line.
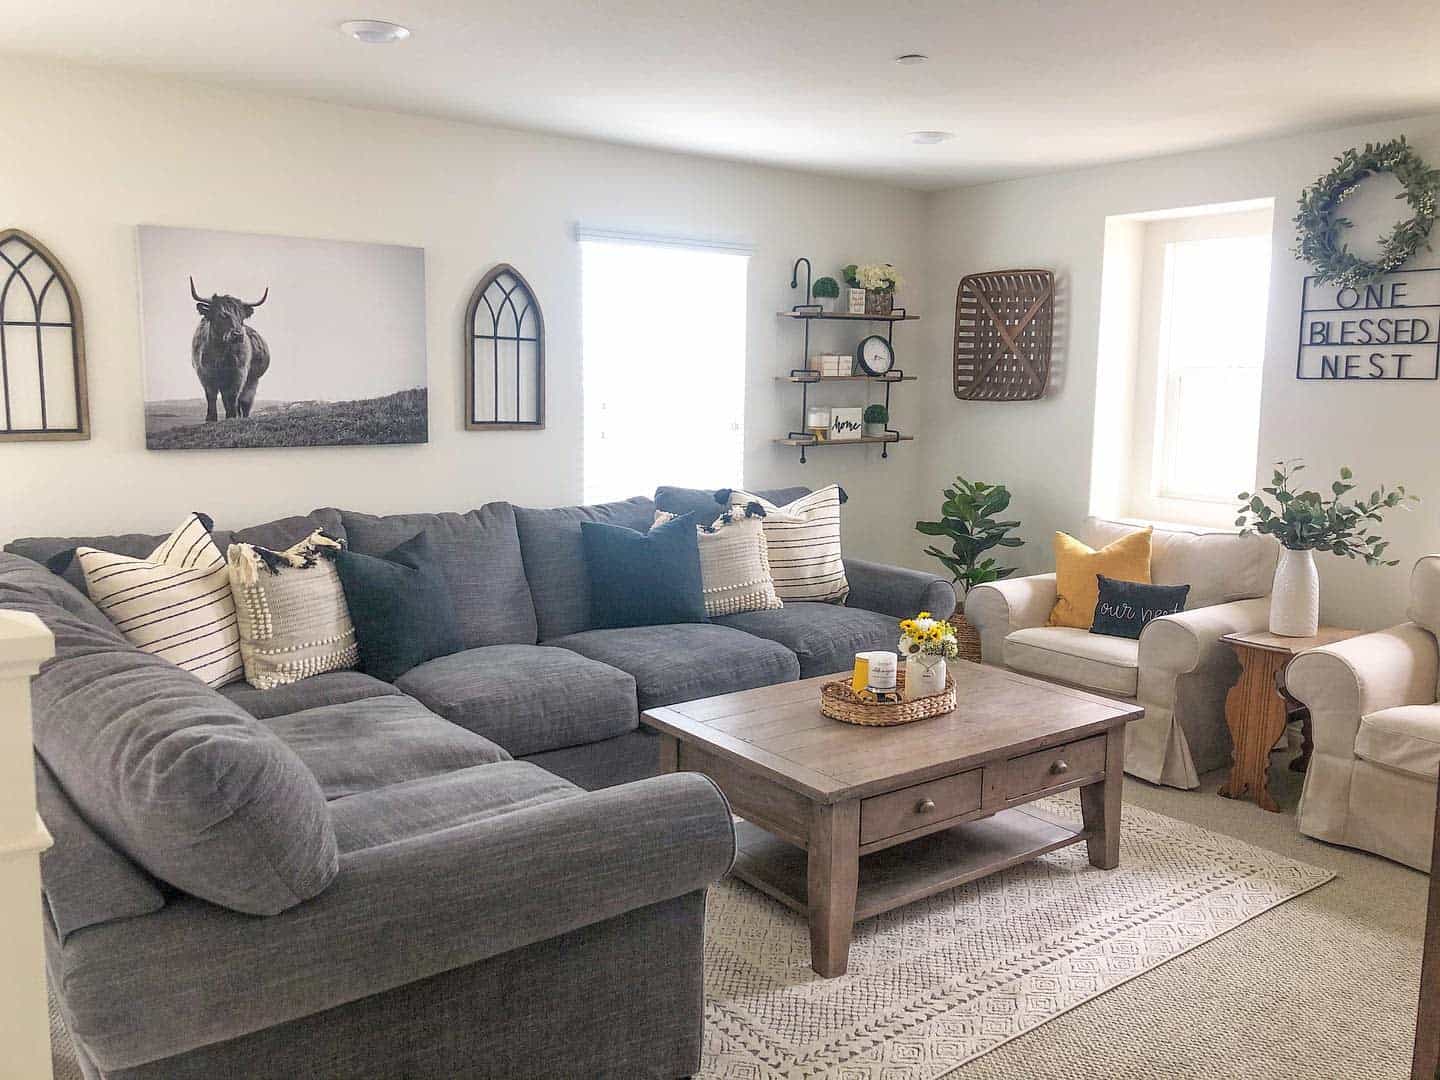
[927,636]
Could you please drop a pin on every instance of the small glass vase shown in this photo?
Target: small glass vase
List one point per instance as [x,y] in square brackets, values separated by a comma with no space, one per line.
[924,676]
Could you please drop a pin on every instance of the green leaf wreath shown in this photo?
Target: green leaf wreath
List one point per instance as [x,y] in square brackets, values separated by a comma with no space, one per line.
[1318,225]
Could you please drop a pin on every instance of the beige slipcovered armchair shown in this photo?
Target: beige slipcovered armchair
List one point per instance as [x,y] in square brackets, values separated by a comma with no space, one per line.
[1179,670]
[1376,722]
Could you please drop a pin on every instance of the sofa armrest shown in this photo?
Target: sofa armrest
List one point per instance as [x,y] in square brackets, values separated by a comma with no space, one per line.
[894,590]
[1342,682]
[396,913]
[1190,640]
[1000,608]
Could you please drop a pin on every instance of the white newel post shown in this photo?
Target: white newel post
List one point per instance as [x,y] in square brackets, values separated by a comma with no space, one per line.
[24,1015]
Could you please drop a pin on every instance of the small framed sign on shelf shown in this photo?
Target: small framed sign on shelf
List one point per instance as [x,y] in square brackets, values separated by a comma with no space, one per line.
[846,424]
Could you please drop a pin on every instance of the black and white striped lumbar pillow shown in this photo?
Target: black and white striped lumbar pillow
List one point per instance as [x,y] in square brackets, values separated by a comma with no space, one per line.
[802,539]
[176,603]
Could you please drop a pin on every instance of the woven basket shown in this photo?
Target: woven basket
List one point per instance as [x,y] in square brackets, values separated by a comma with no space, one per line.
[839,702]
[966,637]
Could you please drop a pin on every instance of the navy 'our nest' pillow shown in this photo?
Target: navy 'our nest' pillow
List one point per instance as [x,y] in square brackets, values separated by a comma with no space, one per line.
[401,607]
[643,579]
[1125,607]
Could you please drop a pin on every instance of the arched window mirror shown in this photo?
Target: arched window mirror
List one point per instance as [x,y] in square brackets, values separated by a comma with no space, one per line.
[505,354]
[42,345]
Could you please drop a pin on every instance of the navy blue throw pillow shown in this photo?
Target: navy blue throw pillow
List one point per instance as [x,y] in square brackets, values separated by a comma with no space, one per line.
[643,579]
[1125,607]
[401,607]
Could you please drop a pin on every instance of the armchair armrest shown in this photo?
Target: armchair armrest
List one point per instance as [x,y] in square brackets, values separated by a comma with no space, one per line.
[998,609]
[1190,640]
[894,590]
[396,913]
[1342,682]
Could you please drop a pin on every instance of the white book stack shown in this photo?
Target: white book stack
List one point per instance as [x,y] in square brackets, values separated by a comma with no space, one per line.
[831,365]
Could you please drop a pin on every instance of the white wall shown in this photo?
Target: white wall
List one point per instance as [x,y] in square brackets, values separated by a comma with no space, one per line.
[1042,450]
[92,153]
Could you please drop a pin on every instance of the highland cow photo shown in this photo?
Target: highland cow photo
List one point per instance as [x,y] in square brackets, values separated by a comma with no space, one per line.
[279,341]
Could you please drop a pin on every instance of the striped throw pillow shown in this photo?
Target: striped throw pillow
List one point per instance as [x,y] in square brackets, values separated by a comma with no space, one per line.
[734,563]
[803,539]
[176,603]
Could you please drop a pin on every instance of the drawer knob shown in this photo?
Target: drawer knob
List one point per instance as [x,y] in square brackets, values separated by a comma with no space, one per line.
[925,806]
[1060,768]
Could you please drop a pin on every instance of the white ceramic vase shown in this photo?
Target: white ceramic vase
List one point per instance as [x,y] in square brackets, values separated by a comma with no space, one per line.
[924,676]
[1295,598]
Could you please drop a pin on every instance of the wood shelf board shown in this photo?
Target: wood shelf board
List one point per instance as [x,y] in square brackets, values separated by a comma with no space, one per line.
[872,440]
[846,378]
[846,315]
[906,872]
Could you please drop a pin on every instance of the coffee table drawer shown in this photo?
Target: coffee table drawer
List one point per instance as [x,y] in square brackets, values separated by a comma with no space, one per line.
[1056,767]
[896,812]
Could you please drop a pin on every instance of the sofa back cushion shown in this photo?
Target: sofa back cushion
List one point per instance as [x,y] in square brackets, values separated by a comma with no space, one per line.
[181,781]
[276,535]
[86,881]
[478,553]
[1218,565]
[555,559]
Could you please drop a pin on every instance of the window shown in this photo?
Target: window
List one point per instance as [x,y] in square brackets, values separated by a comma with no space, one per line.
[663,337]
[1181,362]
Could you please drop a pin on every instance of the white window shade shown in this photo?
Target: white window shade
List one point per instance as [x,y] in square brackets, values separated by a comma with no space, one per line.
[663,328]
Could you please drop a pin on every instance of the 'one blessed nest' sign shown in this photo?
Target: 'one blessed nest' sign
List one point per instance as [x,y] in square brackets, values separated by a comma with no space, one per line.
[1388,330]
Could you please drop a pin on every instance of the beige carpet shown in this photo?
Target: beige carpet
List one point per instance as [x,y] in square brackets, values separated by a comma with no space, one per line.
[1321,986]
[943,981]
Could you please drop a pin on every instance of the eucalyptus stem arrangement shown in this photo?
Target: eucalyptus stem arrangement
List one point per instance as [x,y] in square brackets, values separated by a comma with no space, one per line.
[1304,520]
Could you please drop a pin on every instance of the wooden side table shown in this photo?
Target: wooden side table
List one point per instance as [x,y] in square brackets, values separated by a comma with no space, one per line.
[1255,708]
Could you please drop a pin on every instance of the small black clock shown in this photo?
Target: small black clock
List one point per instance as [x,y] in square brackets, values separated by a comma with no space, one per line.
[875,356]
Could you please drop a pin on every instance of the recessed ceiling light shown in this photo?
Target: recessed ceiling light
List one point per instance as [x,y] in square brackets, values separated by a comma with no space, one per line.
[374,31]
[911,58]
[929,138]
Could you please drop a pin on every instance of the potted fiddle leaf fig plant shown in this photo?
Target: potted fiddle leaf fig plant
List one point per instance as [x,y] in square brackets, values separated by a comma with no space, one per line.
[1305,522]
[969,520]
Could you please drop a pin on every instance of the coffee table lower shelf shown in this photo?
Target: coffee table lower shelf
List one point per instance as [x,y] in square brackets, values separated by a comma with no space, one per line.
[900,875]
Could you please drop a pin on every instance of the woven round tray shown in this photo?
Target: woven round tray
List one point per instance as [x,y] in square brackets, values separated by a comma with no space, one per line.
[839,702]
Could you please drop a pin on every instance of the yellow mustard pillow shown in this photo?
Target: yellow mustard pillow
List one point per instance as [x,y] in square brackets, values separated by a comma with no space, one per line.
[1076,567]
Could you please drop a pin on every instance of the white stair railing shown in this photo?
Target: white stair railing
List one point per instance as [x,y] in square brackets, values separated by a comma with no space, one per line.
[25,643]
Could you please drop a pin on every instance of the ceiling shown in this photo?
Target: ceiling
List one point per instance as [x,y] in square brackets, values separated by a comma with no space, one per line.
[1027,86]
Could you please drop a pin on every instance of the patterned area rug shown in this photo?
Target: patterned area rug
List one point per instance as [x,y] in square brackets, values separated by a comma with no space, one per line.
[942,981]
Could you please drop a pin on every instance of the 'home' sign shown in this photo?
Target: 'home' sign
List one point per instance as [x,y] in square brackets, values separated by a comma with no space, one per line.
[1388,330]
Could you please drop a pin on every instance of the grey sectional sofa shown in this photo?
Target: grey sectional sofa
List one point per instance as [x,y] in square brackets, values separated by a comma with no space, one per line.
[473,872]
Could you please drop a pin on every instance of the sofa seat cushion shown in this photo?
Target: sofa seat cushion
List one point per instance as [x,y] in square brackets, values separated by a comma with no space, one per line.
[527,698]
[1406,739]
[331,688]
[477,553]
[427,805]
[379,741]
[687,660]
[824,637]
[1109,665]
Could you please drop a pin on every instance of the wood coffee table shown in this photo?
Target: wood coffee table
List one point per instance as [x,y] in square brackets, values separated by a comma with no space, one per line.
[844,822]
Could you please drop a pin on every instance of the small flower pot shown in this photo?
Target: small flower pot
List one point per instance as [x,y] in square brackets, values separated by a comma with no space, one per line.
[879,302]
[874,431]
[924,676]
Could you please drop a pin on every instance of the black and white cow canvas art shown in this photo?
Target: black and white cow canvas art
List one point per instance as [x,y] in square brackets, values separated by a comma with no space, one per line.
[279,341]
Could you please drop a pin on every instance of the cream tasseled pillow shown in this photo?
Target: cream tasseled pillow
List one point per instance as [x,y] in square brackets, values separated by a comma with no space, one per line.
[293,619]
[734,565]
[175,603]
